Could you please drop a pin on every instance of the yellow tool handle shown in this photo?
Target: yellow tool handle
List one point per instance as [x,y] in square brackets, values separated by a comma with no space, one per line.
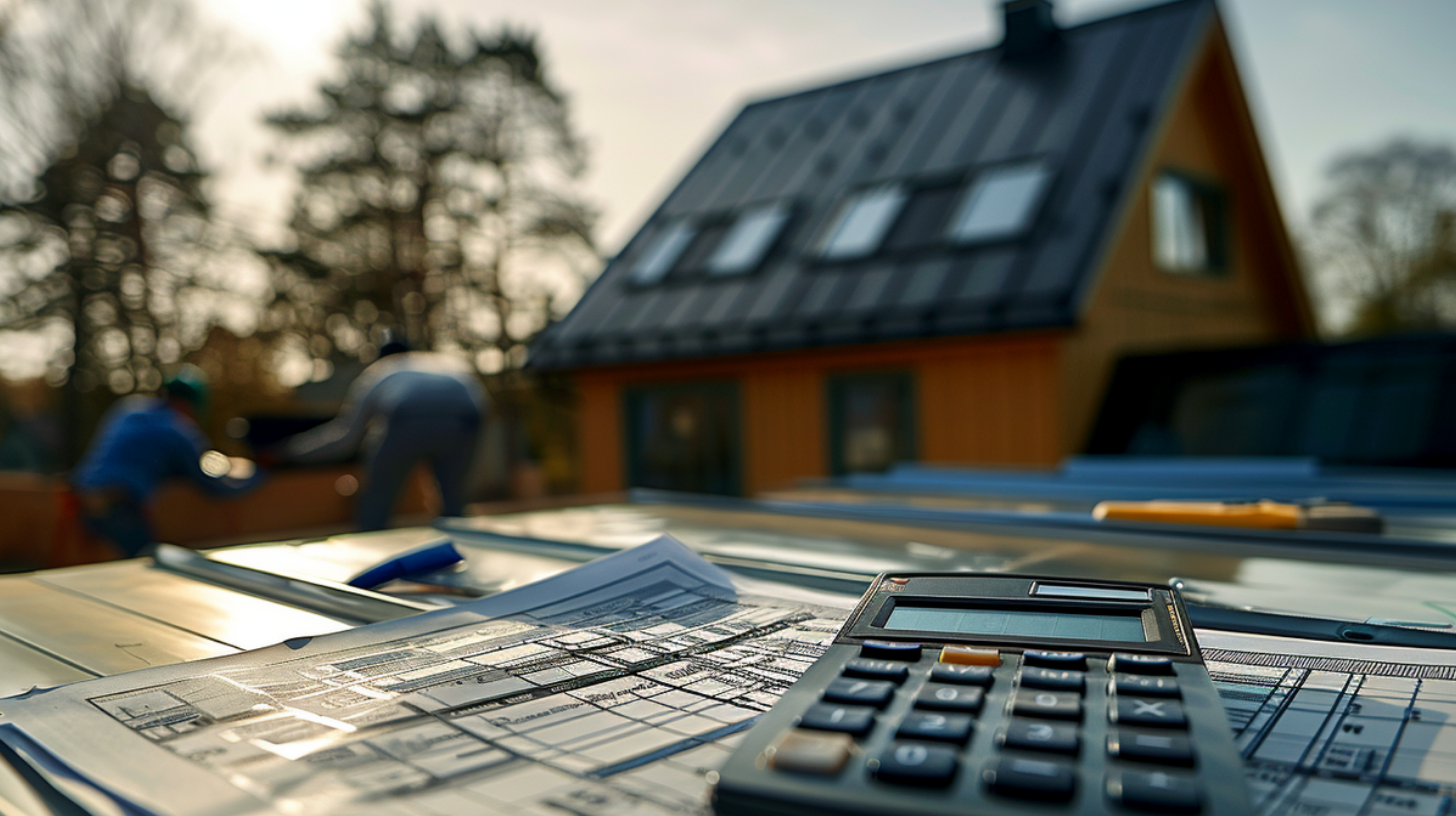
[1266,515]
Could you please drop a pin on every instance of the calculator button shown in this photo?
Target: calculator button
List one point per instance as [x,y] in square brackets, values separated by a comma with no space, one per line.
[857,720]
[911,763]
[1165,747]
[1140,664]
[891,670]
[859,692]
[1054,679]
[940,727]
[1027,778]
[811,752]
[889,650]
[1034,735]
[1143,686]
[951,698]
[1056,660]
[1052,705]
[970,656]
[962,675]
[1138,711]
[1156,791]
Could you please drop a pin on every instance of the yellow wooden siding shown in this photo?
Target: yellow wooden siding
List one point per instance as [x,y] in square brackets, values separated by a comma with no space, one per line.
[1136,306]
[784,425]
[978,401]
[599,433]
[993,405]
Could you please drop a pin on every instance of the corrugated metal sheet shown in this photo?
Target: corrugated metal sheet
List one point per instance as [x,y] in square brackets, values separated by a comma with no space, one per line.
[1087,108]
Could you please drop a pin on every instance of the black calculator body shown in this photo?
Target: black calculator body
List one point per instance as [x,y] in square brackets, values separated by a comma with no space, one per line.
[953,693]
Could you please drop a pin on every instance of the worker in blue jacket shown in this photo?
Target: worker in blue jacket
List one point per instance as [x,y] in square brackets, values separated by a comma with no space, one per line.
[143,441]
[406,408]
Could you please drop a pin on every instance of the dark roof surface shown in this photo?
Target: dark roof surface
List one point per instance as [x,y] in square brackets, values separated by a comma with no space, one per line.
[1086,109]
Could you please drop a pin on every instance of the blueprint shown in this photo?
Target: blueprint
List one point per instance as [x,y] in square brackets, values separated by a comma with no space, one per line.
[615,687]
[620,687]
[1339,730]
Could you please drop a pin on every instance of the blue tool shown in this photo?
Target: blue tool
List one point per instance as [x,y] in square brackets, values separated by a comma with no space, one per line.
[423,559]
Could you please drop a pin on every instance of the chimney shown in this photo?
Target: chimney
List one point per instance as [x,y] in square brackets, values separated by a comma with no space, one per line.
[1030,28]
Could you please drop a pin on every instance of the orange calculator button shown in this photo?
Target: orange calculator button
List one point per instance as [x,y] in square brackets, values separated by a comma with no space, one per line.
[970,656]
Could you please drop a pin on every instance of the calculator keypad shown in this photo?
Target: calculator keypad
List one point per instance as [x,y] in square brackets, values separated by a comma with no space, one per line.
[1053,705]
[1161,713]
[913,763]
[951,698]
[1140,664]
[1035,735]
[1156,791]
[1053,679]
[808,752]
[1162,747]
[889,650]
[1135,685]
[965,675]
[857,720]
[860,692]
[892,670]
[1028,778]
[928,725]
[929,707]
[1056,660]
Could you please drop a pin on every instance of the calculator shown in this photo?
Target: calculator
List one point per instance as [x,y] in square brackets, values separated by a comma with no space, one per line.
[957,693]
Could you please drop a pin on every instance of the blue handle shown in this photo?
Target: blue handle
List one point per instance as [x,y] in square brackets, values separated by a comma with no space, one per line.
[428,558]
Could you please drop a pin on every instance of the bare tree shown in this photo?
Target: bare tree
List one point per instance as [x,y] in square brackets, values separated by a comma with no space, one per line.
[1383,238]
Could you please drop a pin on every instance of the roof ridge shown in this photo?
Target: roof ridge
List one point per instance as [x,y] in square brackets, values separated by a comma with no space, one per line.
[818,87]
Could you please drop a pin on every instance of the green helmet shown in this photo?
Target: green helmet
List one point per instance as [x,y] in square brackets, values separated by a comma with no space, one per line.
[188,384]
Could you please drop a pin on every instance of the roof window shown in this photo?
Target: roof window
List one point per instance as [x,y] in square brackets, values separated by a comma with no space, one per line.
[749,240]
[1002,203]
[862,223]
[663,253]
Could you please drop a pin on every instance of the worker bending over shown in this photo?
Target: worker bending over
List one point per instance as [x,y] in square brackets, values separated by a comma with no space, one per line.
[407,407]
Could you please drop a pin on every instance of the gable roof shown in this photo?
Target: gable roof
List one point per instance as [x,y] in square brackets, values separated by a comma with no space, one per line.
[1086,110]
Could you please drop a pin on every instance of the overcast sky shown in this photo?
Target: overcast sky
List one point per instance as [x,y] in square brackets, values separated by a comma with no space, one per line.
[651,82]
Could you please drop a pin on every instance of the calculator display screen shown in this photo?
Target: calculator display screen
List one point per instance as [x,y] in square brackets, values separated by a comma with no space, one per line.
[1111,626]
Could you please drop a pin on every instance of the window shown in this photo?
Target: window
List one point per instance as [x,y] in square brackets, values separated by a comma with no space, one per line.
[862,223]
[663,253]
[750,238]
[871,422]
[1187,226]
[684,437]
[1001,203]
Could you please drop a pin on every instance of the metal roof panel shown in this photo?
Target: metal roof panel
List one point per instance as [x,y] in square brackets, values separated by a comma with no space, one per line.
[1086,107]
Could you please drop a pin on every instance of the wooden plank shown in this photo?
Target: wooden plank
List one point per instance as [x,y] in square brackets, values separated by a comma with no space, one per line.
[599,435]
[783,428]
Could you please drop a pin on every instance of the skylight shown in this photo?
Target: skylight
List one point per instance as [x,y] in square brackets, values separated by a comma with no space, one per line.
[744,246]
[663,253]
[1001,203]
[863,222]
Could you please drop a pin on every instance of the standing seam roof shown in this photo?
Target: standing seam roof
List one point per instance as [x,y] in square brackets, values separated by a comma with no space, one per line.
[1086,108]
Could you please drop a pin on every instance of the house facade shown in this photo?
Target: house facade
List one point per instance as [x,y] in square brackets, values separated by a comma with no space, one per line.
[938,263]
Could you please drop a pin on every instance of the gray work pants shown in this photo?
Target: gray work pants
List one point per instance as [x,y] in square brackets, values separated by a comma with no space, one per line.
[446,443]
